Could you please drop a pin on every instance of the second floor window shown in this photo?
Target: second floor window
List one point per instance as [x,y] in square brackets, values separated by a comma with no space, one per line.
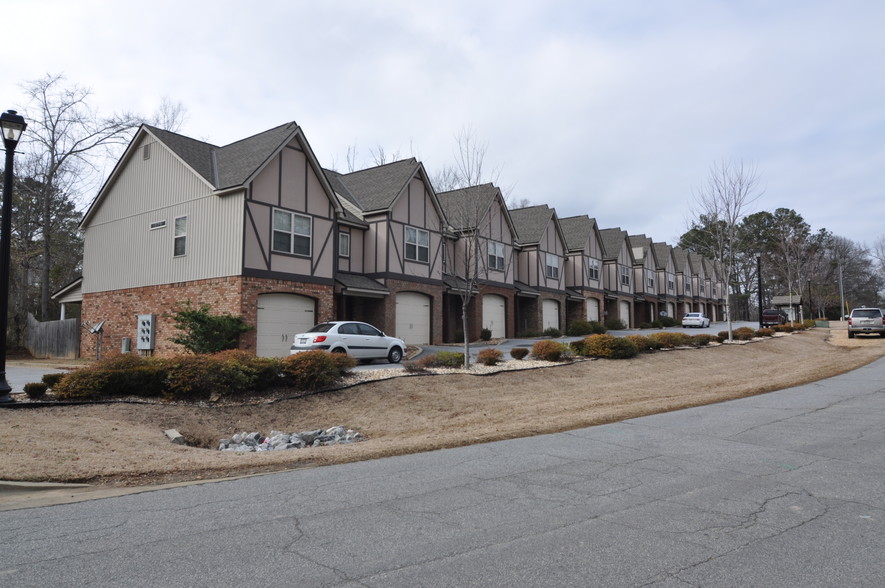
[625,275]
[650,279]
[417,245]
[688,289]
[291,233]
[179,238]
[552,266]
[344,244]
[671,282]
[593,269]
[702,290]
[496,256]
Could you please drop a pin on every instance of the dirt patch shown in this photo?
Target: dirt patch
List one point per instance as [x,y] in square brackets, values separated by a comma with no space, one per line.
[124,445]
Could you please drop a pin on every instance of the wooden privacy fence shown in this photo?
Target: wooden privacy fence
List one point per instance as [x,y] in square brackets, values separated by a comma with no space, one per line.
[55,339]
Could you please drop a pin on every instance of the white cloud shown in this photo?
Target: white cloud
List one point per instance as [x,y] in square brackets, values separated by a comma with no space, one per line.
[615,110]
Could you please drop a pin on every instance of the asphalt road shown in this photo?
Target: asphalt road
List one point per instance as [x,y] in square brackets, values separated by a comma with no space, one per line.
[784,489]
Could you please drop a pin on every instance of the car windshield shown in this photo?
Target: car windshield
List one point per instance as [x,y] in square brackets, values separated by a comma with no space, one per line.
[693,315]
[321,328]
[867,313]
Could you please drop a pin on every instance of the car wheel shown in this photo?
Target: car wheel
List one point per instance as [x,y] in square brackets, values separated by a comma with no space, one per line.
[851,334]
[395,355]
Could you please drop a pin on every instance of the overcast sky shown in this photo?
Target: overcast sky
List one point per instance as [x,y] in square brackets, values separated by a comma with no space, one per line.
[612,109]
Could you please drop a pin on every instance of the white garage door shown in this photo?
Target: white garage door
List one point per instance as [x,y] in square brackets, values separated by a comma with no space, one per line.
[280,316]
[550,314]
[592,309]
[671,310]
[624,312]
[413,318]
[494,314]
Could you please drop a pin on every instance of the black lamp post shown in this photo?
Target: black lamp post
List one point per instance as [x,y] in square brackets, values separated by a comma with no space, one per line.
[759,278]
[12,126]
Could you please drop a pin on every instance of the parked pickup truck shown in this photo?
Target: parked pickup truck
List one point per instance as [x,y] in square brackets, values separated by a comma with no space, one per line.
[773,316]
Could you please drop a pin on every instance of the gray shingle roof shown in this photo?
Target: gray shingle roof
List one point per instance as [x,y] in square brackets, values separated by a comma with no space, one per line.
[662,253]
[612,239]
[642,243]
[231,165]
[577,229]
[360,282]
[680,257]
[530,223]
[375,188]
[466,207]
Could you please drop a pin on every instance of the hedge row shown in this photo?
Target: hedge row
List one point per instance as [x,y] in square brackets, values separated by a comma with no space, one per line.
[195,377]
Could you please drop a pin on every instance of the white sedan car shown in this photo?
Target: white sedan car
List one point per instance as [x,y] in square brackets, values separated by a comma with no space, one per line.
[695,319]
[361,341]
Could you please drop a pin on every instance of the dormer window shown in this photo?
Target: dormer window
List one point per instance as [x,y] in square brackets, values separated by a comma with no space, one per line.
[417,245]
[593,269]
[625,275]
[552,266]
[291,233]
[496,256]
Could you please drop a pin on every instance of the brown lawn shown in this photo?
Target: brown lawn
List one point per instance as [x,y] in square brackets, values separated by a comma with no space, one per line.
[124,444]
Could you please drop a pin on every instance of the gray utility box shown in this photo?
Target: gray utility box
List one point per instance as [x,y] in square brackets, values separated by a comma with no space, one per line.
[146,336]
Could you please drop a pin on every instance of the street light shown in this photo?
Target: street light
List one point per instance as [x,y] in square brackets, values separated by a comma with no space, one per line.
[12,125]
[759,278]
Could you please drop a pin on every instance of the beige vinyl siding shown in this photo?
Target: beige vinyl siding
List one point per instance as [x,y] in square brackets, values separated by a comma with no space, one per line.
[121,251]
[126,253]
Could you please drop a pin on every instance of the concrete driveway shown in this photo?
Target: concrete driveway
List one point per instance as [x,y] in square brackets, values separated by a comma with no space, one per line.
[783,489]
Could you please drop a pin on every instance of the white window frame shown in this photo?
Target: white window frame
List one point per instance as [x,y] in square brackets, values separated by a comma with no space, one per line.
[552,266]
[179,235]
[649,279]
[293,233]
[671,282]
[593,268]
[343,244]
[496,256]
[625,275]
[413,240]
[688,289]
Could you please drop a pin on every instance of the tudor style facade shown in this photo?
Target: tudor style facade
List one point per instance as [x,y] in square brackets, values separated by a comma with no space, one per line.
[247,228]
[617,276]
[482,263]
[584,270]
[540,283]
[259,229]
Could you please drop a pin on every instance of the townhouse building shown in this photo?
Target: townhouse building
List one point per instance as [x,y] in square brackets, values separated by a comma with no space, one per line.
[258,228]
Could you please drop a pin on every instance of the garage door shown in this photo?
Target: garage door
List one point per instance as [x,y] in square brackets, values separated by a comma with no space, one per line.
[671,310]
[494,314]
[624,312]
[550,314]
[413,318]
[592,309]
[279,317]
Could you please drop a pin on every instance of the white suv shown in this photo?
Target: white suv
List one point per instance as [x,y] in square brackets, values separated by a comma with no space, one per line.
[866,320]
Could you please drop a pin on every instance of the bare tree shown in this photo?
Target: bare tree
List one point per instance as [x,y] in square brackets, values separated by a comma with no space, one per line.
[467,197]
[719,207]
[66,139]
[170,116]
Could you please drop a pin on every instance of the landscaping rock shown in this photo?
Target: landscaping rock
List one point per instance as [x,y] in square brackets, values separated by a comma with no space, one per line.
[277,440]
[175,437]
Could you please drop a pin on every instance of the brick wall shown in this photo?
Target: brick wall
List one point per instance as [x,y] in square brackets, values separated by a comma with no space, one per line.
[388,307]
[233,295]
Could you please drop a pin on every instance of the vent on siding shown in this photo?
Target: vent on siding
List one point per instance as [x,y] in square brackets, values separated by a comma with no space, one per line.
[158,225]
[146,151]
